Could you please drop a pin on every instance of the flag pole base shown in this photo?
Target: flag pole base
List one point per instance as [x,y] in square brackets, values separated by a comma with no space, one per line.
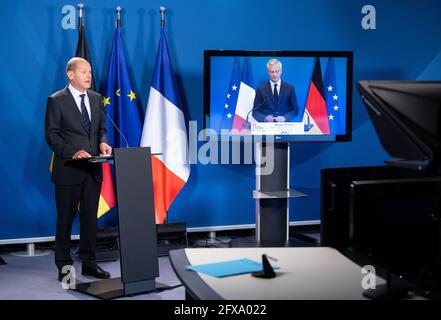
[30,252]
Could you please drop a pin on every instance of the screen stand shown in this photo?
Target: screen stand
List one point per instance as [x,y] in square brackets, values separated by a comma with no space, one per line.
[386,291]
[272,196]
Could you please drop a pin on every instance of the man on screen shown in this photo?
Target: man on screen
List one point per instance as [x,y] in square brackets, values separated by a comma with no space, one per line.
[275,100]
[75,129]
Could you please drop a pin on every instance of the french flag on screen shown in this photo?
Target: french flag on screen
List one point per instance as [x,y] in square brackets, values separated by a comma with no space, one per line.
[245,99]
[164,131]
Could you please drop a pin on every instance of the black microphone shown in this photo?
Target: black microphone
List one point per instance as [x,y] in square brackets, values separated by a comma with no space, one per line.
[116,127]
[247,124]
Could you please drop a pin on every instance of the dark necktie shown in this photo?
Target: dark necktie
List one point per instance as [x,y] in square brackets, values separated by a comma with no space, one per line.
[276,94]
[86,120]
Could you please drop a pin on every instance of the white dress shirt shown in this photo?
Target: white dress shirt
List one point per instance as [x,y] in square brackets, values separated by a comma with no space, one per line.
[278,86]
[76,94]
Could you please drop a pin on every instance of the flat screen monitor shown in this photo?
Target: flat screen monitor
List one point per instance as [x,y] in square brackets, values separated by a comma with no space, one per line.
[287,95]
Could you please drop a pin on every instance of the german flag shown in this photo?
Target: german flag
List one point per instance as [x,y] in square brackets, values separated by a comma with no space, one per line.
[107,196]
[316,103]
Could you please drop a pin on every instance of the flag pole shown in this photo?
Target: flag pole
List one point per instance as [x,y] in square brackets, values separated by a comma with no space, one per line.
[80,16]
[162,12]
[118,16]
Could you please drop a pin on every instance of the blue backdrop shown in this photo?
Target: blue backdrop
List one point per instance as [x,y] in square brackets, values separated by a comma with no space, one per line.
[35,48]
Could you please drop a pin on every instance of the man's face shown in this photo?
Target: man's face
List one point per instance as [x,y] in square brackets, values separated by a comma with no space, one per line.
[81,78]
[274,72]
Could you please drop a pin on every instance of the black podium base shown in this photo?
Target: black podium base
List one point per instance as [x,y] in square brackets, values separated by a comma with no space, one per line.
[251,242]
[113,288]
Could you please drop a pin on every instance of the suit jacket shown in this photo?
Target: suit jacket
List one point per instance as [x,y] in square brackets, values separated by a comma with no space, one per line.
[264,104]
[65,135]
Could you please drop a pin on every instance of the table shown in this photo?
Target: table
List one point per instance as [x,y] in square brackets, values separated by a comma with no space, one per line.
[305,273]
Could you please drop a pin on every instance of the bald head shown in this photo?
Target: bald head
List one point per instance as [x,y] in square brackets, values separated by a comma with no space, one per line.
[79,73]
[72,64]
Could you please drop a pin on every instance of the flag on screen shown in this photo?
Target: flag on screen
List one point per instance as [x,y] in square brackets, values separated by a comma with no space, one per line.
[229,107]
[315,110]
[164,132]
[335,106]
[245,99]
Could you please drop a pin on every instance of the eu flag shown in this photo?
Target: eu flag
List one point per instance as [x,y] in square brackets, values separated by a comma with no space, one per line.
[124,115]
[120,100]
[335,105]
[229,108]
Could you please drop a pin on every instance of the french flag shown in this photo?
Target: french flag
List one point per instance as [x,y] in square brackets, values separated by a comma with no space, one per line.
[245,98]
[164,131]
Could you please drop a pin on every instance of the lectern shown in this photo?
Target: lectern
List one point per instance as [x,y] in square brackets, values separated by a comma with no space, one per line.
[272,196]
[137,227]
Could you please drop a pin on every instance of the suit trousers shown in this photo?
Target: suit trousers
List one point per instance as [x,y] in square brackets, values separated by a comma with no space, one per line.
[67,198]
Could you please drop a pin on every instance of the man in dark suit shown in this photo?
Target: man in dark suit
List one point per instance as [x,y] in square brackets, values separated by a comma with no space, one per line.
[275,100]
[75,129]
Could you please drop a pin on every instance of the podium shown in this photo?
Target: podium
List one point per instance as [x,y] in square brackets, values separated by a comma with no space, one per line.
[272,196]
[137,227]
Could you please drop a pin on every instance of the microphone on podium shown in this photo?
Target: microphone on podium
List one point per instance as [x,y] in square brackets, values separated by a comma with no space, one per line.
[117,129]
[247,124]
[308,124]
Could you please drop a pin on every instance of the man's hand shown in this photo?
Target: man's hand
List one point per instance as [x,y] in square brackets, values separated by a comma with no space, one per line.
[81,154]
[105,149]
[280,119]
[269,118]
